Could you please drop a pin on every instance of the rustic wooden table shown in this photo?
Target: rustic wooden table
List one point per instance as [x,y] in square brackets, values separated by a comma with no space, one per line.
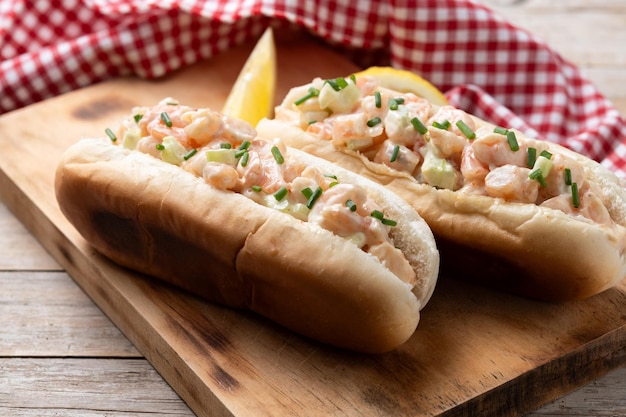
[59,354]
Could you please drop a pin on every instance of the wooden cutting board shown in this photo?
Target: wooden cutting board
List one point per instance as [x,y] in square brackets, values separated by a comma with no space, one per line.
[476,352]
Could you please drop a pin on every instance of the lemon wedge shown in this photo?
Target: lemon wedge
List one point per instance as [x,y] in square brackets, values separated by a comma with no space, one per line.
[406,82]
[252,96]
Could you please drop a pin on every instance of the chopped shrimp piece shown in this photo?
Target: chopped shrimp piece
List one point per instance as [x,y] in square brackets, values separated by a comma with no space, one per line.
[590,207]
[262,169]
[511,183]
[221,176]
[555,181]
[367,85]
[452,115]
[395,261]
[201,126]
[405,159]
[449,144]
[196,164]
[148,144]
[351,131]
[236,131]
[331,212]
[493,150]
[471,168]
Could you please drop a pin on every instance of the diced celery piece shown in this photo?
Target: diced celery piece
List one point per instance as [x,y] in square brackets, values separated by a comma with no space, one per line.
[224,156]
[173,152]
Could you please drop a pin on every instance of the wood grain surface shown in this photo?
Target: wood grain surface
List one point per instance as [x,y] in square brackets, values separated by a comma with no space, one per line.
[78,363]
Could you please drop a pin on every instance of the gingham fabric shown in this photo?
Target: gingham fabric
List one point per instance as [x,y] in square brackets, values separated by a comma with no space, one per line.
[483,63]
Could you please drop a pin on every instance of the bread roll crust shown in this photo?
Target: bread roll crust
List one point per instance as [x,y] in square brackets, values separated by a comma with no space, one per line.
[157,219]
[530,250]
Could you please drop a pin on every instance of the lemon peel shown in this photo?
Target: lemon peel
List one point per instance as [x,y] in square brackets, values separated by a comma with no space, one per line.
[405,82]
[252,95]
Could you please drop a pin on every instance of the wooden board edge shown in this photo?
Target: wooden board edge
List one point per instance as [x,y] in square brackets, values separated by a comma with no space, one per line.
[77,264]
[592,360]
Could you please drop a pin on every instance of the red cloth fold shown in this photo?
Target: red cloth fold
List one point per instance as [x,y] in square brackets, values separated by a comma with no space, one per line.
[484,64]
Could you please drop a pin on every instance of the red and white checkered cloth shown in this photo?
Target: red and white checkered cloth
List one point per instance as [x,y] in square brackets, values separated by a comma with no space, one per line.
[485,64]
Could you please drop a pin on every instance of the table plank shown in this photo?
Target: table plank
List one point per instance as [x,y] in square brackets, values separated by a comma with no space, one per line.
[85,387]
[46,314]
[20,250]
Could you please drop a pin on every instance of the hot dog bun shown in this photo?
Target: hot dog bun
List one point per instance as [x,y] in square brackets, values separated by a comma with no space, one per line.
[155,218]
[533,250]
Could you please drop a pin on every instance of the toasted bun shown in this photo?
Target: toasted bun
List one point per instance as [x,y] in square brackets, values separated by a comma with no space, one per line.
[158,219]
[526,249]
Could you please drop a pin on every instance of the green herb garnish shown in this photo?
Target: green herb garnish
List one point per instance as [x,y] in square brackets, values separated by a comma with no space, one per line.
[374,121]
[278,156]
[466,130]
[165,118]
[281,193]
[110,134]
[419,126]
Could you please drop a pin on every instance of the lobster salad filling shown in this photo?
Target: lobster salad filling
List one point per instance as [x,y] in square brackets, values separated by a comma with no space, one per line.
[228,155]
[441,146]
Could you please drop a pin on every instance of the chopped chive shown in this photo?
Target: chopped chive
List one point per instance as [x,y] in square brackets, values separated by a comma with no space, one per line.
[244,158]
[166,119]
[534,174]
[353,78]
[568,176]
[466,130]
[337,84]
[137,117]
[172,103]
[377,214]
[389,222]
[311,201]
[500,130]
[225,145]
[307,192]
[575,196]
[531,157]
[313,92]
[256,188]
[281,193]
[332,184]
[244,145]
[190,154]
[110,134]
[333,84]
[377,99]
[240,152]
[373,122]
[510,137]
[394,153]
[159,146]
[277,155]
[537,175]
[395,102]
[442,125]
[418,125]
[351,205]
[546,154]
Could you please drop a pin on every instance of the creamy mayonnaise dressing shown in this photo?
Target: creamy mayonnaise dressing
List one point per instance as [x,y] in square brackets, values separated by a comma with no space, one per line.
[228,155]
[441,146]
